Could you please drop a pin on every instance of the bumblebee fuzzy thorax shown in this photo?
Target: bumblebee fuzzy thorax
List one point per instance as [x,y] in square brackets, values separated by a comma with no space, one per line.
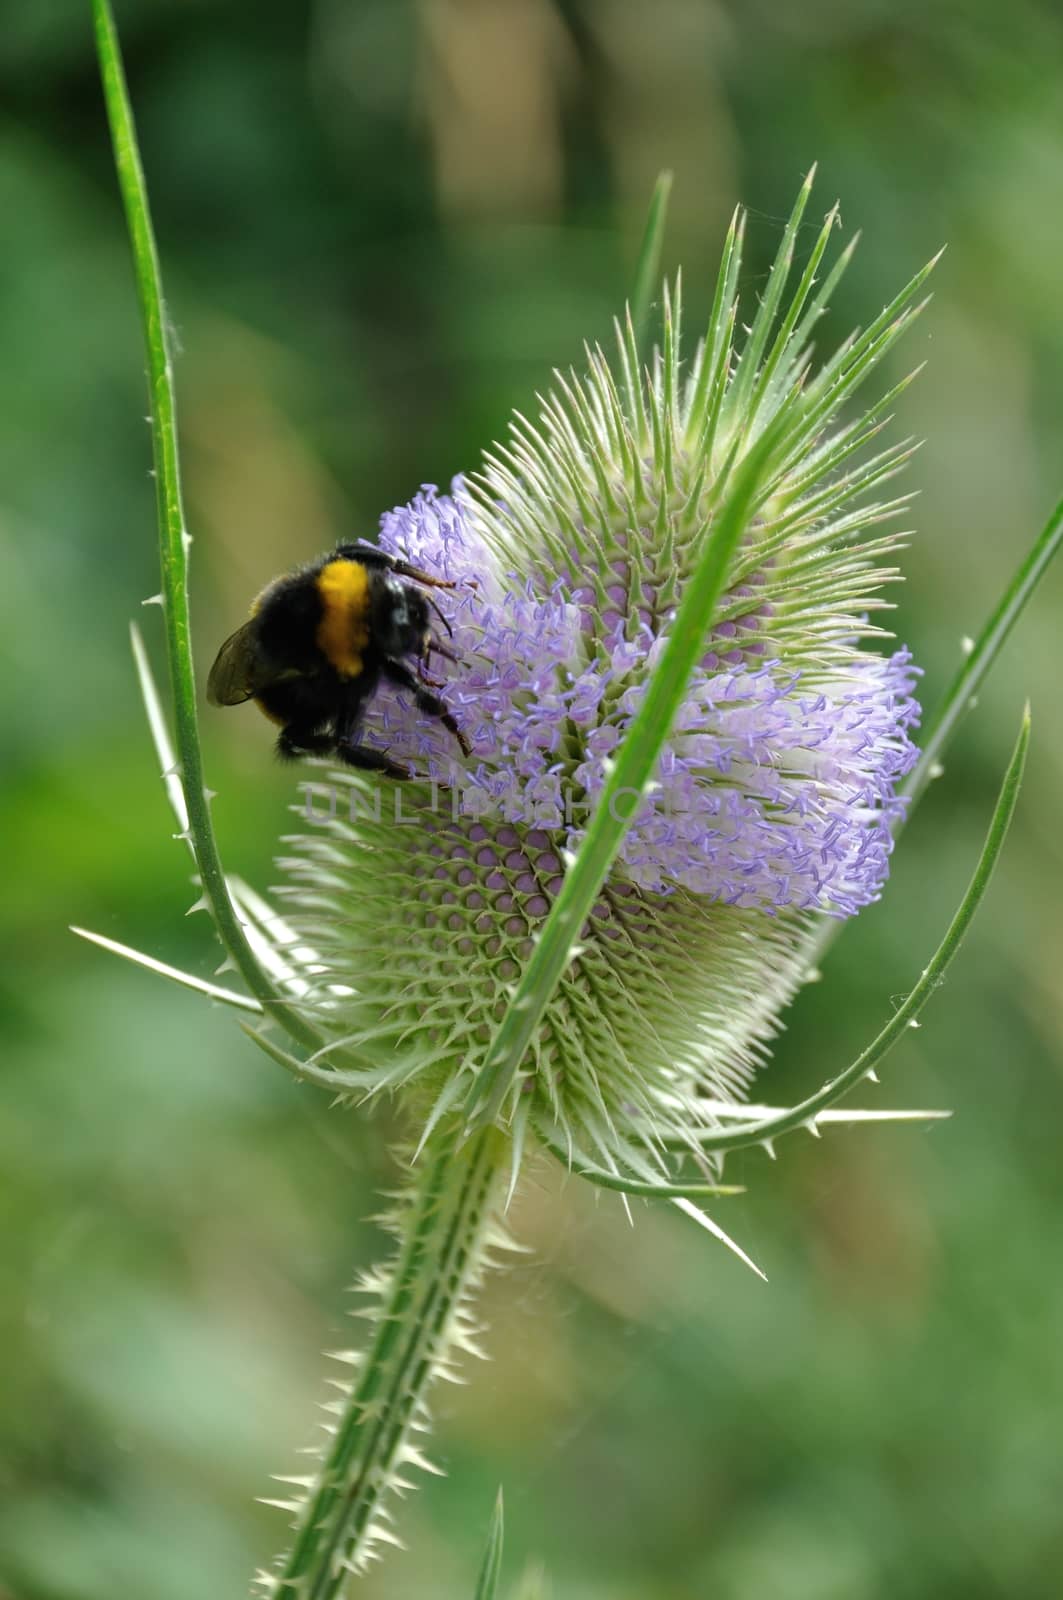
[343,632]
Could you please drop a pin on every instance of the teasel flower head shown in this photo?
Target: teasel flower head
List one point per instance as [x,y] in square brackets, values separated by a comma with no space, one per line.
[776,788]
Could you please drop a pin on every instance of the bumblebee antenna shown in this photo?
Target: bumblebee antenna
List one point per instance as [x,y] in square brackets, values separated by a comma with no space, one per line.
[441,617]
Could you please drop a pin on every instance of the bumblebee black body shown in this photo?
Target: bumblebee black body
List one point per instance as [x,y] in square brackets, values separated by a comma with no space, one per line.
[320,642]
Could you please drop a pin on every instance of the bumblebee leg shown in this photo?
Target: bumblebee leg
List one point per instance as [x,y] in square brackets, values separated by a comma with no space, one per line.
[366,760]
[404,570]
[423,661]
[295,742]
[348,722]
[370,556]
[432,706]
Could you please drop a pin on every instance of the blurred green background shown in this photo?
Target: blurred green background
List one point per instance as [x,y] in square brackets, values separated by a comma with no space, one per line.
[382,223]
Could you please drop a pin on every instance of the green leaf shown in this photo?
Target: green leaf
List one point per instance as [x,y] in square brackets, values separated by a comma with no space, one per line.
[763,1132]
[647,270]
[491,1571]
[174,539]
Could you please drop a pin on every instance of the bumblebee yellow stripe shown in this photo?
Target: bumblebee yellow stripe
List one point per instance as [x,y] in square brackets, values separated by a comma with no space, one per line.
[343,632]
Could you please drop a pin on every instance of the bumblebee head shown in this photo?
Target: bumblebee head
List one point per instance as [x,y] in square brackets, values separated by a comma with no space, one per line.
[403,626]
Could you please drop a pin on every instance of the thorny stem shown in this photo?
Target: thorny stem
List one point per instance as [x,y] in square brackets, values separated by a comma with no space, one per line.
[441,1256]
[174,539]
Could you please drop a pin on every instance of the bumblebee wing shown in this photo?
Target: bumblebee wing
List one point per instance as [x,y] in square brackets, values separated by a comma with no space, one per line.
[238,671]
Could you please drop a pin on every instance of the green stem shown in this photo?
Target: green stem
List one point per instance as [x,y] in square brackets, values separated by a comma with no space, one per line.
[439,1263]
[174,540]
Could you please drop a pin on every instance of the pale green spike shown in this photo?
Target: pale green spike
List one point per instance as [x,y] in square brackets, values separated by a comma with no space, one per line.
[187,980]
[818,304]
[705,1221]
[379,1533]
[763,321]
[706,438]
[648,267]
[620,422]
[833,1114]
[589,462]
[445,1102]
[826,458]
[490,1571]
[414,1457]
[159,729]
[786,338]
[633,383]
[666,408]
[841,376]
[715,348]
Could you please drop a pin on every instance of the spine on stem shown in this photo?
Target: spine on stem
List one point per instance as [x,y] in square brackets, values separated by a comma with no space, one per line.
[446,1225]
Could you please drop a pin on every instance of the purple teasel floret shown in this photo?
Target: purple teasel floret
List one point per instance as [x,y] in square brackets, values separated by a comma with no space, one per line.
[775,788]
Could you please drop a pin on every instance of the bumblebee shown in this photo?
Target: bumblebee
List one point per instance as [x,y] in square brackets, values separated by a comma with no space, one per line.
[320,641]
